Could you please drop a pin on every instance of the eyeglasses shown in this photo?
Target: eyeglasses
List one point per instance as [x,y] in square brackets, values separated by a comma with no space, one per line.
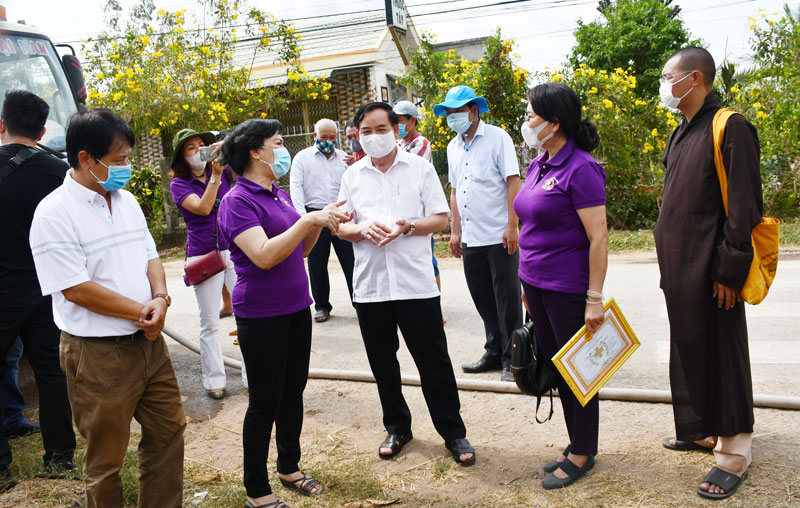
[667,78]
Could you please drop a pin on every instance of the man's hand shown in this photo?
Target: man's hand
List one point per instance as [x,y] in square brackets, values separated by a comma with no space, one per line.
[151,318]
[511,239]
[403,225]
[349,160]
[726,296]
[455,245]
[375,232]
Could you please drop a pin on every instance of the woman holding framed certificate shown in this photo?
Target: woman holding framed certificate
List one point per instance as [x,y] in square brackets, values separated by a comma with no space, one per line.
[563,251]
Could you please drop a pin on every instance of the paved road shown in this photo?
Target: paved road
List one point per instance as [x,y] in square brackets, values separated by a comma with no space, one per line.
[632,281]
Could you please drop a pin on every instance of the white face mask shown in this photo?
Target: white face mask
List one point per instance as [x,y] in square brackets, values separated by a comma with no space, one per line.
[378,145]
[531,135]
[668,100]
[194,162]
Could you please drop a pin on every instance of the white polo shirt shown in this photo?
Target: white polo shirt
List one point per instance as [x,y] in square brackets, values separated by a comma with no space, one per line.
[410,189]
[478,173]
[314,180]
[75,238]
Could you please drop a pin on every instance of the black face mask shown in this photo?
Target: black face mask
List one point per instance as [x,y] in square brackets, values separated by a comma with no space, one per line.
[354,145]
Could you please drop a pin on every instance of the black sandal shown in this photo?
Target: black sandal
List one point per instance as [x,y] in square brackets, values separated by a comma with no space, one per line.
[394,442]
[555,464]
[684,446]
[728,481]
[306,486]
[573,471]
[459,447]
[274,504]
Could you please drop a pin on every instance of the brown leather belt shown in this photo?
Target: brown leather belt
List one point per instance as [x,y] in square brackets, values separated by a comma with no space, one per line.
[118,338]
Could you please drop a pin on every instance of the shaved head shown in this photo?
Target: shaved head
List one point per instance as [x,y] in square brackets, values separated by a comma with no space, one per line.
[696,59]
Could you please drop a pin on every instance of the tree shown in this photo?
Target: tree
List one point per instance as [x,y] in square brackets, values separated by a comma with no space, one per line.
[161,75]
[635,34]
[771,101]
[495,77]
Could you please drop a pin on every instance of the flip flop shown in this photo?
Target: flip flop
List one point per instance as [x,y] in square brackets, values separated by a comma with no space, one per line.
[728,481]
[684,446]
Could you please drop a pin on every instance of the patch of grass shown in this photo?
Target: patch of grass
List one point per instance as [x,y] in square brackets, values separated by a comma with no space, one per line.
[441,249]
[440,467]
[641,240]
[172,254]
[790,234]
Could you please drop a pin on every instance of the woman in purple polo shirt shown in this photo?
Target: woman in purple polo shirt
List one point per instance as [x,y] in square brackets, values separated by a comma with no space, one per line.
[271,301]
[196,188]
[563,251]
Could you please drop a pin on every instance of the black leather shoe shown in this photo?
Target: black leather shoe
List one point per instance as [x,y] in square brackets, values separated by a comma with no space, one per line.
[61,465]
[485,364]
[25,429]
[506,376]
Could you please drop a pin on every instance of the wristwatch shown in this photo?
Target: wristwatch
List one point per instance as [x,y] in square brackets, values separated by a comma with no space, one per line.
[165,296]
[411,229]
[211,180]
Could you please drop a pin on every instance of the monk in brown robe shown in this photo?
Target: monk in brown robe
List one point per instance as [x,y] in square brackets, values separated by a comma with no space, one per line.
[704,258]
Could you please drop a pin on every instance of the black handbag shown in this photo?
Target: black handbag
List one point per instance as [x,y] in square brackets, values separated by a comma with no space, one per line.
[533,372]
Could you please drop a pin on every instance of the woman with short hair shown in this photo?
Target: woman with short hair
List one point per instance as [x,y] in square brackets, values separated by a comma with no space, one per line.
[563,252]
[271,301]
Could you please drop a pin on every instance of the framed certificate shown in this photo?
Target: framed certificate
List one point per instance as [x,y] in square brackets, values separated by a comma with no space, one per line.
[588,362]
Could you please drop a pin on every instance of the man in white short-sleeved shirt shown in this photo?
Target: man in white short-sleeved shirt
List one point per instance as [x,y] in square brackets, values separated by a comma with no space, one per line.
[398,202]
[314,183]
[484,180]
[95,256]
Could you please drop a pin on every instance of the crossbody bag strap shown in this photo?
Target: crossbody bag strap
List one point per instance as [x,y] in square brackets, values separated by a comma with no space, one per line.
[718,128]
[16,161]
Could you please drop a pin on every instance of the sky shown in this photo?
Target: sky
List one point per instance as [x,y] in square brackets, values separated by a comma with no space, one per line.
[542,28]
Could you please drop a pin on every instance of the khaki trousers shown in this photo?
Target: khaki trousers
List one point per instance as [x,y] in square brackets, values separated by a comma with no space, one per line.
[109,384]
[734,453]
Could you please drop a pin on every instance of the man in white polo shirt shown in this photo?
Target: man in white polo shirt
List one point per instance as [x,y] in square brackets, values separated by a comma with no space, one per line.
[314,183]
[94,255]
[398,202]
[484,180]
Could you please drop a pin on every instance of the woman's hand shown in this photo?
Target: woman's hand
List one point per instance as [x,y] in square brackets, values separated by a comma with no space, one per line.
[216,169]
[525,302]
[594,316]
[330,217]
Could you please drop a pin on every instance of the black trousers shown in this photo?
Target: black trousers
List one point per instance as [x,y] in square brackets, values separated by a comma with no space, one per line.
[318,266]
[276,352]
[28,314]
[556,317]
[493,281]
[420,321]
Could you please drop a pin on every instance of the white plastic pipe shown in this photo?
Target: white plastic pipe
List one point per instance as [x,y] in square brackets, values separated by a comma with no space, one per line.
[482,385]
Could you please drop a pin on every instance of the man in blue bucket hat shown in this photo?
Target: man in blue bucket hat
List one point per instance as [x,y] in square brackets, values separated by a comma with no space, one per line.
[484,180]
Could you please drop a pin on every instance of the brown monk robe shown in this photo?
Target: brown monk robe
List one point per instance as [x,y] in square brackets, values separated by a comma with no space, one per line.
[709,362]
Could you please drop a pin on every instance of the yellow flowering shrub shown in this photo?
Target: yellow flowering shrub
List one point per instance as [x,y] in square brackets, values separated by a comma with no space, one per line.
[633,134]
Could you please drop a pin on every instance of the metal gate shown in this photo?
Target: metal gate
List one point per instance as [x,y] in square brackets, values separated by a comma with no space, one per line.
[299,119]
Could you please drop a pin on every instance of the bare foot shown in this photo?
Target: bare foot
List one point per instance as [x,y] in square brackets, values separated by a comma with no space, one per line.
[295,479]
[711,488]
[260,501]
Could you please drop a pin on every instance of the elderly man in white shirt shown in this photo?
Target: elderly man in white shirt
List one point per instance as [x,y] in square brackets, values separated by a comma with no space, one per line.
[95,256]
[484,180]
[398,202]
[313,183]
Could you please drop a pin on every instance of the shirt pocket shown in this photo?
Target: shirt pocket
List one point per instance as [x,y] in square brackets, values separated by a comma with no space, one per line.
[407,204]
[484,170]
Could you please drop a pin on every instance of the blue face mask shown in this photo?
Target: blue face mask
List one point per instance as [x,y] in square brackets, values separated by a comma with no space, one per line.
[118,176]
[459,122]
[325,146]
[283,161]
[402,132]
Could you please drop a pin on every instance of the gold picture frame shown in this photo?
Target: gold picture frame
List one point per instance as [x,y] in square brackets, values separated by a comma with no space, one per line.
[587,362]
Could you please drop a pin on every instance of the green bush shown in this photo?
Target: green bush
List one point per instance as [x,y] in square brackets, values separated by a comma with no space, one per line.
[145,184]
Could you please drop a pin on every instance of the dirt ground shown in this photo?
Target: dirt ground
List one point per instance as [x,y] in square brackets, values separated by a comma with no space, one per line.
[342,427]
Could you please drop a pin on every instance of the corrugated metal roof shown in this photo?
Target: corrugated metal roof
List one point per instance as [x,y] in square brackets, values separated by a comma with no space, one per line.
[342,35]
